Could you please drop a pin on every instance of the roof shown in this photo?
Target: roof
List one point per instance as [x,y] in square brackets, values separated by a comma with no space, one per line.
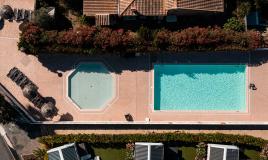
[65,152]
[222,152]
[149,151]
[148,7]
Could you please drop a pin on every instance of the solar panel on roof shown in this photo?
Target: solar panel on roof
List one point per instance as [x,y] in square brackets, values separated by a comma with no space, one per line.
[232,154]
[157,152]
[141,152]
[54,155]
[69,153]
[216,153]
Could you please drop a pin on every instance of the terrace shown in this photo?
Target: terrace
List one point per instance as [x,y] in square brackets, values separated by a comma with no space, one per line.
[134,76]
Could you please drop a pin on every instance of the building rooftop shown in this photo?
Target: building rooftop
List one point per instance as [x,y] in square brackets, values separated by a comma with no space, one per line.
[148,7]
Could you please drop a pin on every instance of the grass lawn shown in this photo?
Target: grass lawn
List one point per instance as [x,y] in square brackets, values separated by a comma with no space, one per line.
[251,154]
[181,153]
[110,153]
[187,153]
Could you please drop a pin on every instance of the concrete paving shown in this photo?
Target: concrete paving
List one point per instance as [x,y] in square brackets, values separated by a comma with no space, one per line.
[5,152]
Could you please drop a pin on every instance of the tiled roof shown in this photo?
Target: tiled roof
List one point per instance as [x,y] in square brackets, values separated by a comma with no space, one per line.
[124,4]
[93,7]
[207,5]
[148,7]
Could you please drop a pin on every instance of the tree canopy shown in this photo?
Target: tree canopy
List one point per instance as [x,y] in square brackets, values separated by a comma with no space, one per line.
[6,112]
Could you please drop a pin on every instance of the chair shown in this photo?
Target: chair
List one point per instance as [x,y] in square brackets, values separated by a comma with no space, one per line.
[24,82]
[14,75]
[20,78]
[22,14]
[30,15]
[12,71]
[19,75]
[15,14]
[26,15]
[19,15]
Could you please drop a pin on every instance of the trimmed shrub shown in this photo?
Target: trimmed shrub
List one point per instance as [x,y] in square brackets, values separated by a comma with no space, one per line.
[88,40]
[82,36]
[243,140]
[161,39]
[145,33]
[30,39]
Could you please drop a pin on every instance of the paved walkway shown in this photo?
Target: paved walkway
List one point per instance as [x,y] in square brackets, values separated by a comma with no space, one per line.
[5,153]
[22,142]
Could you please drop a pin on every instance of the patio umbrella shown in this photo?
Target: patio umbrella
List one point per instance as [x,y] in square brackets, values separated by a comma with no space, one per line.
[6,12]
[29,91]
[48,109]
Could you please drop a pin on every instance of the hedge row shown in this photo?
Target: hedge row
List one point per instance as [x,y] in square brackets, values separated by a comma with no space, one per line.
[240,140]
[88,39]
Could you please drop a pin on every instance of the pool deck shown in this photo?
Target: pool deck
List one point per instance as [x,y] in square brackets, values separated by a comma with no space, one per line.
[134,95]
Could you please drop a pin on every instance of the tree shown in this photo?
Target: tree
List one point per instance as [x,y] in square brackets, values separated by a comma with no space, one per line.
[40,154]
[43,19]
[234,24]
[6,111]
[242,10]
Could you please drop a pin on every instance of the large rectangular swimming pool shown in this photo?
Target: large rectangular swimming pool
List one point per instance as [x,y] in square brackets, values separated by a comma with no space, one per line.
[200,87]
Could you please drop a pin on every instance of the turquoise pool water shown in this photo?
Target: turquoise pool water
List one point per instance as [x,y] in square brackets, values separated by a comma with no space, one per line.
[200,87]
[91,86]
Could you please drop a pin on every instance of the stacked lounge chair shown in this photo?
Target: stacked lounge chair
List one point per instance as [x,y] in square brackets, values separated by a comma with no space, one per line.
[22,14]
[19,78]
[38,100]
[30,91]
[22,80]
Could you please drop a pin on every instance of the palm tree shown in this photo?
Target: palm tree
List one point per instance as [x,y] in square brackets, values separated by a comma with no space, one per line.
[6,111]
[40,154]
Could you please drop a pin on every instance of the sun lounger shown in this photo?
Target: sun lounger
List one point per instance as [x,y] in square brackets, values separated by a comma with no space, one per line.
[12,71]
[19,15]
[18,77]
[22,81]
[26,15]
[30,15]
[38,100]
[15,75]
[15,14]
[22,14]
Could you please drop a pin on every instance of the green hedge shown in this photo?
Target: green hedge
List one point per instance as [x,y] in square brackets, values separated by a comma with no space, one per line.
[109,139]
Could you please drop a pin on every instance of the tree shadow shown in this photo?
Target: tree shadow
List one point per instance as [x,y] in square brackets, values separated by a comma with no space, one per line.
[2,23]
[63,62]
[35,113]
[172,153]
[66,117]
[50,99]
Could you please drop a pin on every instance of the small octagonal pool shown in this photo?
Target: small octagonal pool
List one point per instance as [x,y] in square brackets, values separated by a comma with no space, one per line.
[91,85]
